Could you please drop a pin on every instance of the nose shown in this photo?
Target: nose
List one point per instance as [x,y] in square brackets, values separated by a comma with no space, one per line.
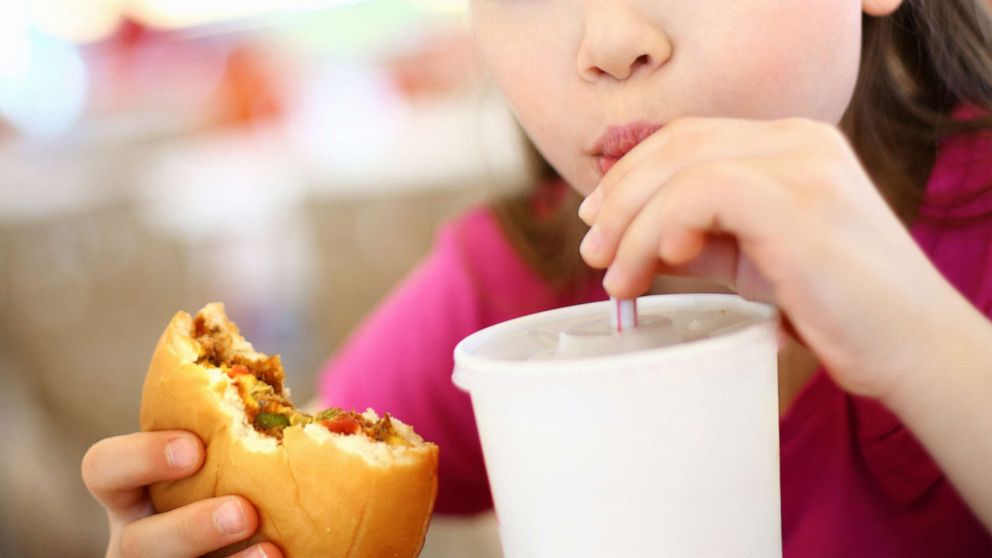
[618,40]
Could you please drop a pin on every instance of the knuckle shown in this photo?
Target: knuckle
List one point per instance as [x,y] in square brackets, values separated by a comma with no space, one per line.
[815,134]
[822,170]
[610,223]
[681,126]
[693,133]
[687,147]
[193,528]
[830,137]
[710,171]
[700,181]
[810,158]
[795,124]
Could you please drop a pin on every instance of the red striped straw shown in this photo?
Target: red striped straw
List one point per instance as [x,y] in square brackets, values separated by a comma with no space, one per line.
[623,313]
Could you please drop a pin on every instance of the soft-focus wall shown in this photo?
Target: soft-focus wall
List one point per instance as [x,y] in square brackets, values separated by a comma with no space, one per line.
[293,163]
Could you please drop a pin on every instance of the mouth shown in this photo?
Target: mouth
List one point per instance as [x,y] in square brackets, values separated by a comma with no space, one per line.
[617,141]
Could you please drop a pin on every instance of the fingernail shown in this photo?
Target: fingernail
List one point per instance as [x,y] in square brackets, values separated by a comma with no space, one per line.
[258,552]
[592,242]
[590,206]
[229,517]
[181,453]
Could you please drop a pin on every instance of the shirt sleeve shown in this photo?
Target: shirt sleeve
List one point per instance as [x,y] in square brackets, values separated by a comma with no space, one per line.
[400,360]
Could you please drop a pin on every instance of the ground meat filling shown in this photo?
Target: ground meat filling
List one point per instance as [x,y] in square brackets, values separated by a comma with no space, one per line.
[216,346]
[259,381]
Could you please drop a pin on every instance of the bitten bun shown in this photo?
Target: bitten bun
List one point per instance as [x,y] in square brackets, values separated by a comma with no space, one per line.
[319,493]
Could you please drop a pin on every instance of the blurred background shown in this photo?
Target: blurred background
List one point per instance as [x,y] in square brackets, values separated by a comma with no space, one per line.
[290,158]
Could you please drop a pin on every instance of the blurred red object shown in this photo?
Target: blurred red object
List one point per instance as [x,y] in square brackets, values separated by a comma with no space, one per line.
[247,92]
[213,80]
[149,70]
[444,64]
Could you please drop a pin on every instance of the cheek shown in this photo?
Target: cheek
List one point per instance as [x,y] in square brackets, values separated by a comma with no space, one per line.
[524,85]
[522,52]
[793,58]
[529,60]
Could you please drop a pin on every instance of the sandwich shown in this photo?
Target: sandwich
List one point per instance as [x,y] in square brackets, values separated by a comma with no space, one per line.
[331,483]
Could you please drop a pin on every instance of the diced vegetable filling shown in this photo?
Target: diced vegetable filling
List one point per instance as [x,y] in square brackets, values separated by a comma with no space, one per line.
[260,385]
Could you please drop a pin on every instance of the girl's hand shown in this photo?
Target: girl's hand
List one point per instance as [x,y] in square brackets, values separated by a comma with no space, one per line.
[117,471]
[782,212]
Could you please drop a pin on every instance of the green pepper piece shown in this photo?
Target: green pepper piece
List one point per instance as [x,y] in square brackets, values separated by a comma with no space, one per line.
[328,414]
[271,421]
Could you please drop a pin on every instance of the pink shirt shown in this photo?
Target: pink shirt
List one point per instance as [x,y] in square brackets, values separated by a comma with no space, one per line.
[854,481]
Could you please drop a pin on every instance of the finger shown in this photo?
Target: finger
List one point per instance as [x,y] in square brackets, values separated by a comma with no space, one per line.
[589,207]
[264,550]
[624,195]
[741,198]
[684,225]
[638,260]
[116,470]
[754,137]
[718,261]
[722,262]
[191,530]
[682,131]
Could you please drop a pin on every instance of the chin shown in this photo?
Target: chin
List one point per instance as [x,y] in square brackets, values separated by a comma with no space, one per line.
[584,181]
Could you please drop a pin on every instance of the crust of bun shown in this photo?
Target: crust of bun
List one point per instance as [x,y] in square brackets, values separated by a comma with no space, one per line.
[318,494]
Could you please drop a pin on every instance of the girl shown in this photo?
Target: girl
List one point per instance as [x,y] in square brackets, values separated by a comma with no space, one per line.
[750,142]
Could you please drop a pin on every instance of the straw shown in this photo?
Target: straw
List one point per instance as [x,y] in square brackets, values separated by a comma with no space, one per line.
[623,313]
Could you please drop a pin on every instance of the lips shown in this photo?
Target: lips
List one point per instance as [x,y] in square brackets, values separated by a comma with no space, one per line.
[618,140]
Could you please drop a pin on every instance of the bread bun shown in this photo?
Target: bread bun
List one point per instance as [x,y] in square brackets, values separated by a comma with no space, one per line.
[318,493]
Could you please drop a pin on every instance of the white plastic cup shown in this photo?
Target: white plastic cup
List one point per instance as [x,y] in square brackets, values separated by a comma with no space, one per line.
[670,451]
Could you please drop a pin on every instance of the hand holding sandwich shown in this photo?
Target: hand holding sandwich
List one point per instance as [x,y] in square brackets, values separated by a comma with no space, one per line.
[117,472]
[229,462]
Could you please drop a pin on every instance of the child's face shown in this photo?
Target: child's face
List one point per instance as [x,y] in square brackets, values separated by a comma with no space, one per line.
[572,68]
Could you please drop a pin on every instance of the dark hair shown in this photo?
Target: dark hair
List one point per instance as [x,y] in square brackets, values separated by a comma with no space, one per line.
[918,66]
[548,241]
